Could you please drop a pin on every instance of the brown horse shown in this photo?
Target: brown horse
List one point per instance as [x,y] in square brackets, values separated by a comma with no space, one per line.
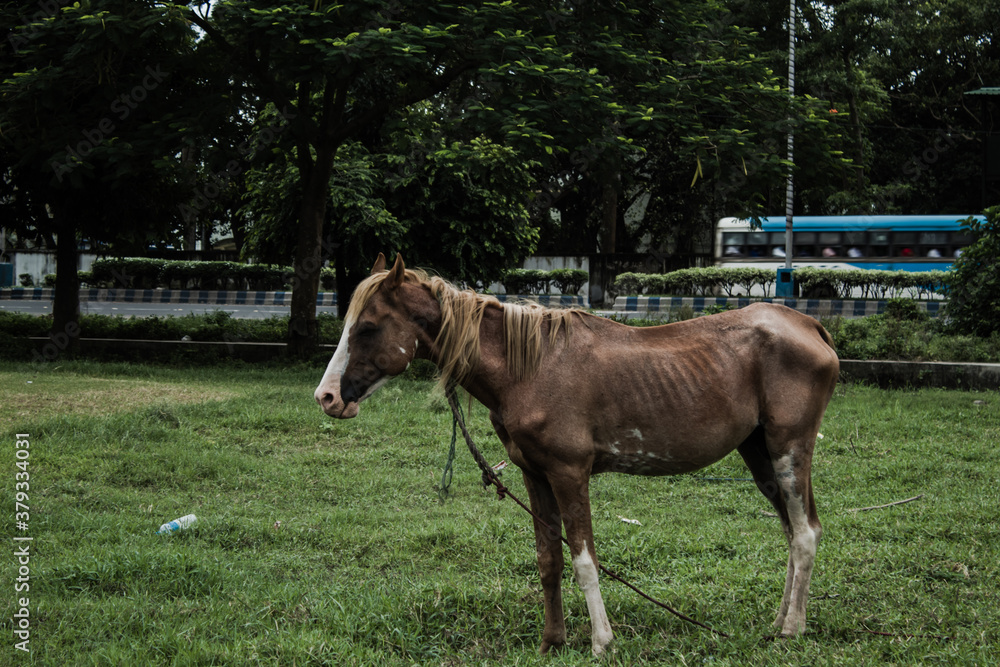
[571,394]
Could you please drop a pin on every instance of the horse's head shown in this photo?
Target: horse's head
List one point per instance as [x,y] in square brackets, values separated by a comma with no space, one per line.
[382,333]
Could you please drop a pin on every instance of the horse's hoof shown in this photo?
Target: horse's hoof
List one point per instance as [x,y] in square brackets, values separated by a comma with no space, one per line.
[600,651]
[550,646]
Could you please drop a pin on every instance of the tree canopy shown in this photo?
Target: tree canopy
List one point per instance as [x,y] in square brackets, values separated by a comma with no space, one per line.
[90,98]
[471,135]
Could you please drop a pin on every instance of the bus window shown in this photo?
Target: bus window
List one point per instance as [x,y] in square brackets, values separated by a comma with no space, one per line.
[757,244]
[959,240]
[856,243]
[879,244]
[777,244]
[830,242]
[805,244]
[733,244]
[934,244]
[903,244]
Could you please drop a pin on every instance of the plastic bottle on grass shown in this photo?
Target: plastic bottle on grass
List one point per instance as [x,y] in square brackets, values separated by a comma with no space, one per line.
[177,524]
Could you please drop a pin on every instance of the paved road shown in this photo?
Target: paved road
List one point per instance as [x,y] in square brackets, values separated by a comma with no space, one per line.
[123,309]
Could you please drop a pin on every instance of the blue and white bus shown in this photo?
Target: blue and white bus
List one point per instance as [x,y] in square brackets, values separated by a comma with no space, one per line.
[885,242]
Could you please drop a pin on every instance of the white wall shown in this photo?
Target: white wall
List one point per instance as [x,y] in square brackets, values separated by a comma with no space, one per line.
[39,263]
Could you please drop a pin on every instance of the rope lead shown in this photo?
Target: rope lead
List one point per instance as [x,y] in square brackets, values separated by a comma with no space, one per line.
[449,469]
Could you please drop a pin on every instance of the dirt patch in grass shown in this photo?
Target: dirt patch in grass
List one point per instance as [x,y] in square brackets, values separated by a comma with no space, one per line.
[25,398]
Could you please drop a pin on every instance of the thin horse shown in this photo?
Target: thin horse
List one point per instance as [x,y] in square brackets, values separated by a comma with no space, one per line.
[571,395]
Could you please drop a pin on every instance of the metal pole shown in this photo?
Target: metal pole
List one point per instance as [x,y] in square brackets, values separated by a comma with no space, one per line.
[790,185]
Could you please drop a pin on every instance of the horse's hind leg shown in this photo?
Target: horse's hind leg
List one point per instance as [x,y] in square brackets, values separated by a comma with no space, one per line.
[784,479]
[793,477]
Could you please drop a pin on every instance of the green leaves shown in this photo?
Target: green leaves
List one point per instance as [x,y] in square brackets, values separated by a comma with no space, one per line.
[829,283]
[974,305]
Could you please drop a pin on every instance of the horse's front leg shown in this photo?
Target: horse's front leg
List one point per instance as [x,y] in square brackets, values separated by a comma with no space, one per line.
[548,542]
[548,549]
[572,491]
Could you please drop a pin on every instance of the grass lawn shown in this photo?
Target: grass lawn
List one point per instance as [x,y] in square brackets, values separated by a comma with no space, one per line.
[324,543]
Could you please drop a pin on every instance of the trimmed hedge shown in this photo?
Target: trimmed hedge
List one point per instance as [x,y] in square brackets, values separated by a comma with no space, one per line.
[214,326]
[536,281]
[146,273]
[569,281]
[832,283]
[873,284]
[695,282]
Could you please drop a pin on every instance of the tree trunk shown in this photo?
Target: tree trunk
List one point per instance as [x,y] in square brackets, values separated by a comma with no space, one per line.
[303,333]
[348,278]
[65,332]
[609,214]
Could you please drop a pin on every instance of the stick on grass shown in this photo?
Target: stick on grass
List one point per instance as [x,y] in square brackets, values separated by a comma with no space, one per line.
[863,509]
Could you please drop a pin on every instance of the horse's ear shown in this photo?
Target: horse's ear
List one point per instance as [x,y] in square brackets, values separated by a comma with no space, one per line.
[395,277]
[379,264]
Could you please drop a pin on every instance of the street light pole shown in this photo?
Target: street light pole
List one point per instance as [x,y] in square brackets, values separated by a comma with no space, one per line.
[790,185]
[785,285]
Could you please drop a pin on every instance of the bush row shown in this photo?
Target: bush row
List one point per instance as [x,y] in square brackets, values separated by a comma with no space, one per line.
[218,326]
[868,284]
[17,329]
[904,332]
[695,282]
[536,281]
[146,273]
[813,283]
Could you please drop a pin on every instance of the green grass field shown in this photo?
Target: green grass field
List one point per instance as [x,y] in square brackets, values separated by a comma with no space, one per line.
[324,543]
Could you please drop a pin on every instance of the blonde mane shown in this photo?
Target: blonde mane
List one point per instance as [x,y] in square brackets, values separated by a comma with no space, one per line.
[461,315]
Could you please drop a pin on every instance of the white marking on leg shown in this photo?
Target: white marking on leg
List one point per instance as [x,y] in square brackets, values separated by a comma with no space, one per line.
[586,577]
[802,542]
[637,434]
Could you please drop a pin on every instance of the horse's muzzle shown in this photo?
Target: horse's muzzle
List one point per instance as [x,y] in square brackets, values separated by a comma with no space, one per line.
[335,406]
[350,392]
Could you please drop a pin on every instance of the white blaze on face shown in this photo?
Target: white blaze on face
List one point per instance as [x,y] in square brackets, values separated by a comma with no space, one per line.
[328,392]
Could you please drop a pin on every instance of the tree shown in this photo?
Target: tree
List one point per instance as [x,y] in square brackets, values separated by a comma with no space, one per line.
[460,207]
[974,292]
[896,72]
[91,95]
[713,144]
[336,72]
[465,209]
[569,87]
[357,222]
[930,145]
